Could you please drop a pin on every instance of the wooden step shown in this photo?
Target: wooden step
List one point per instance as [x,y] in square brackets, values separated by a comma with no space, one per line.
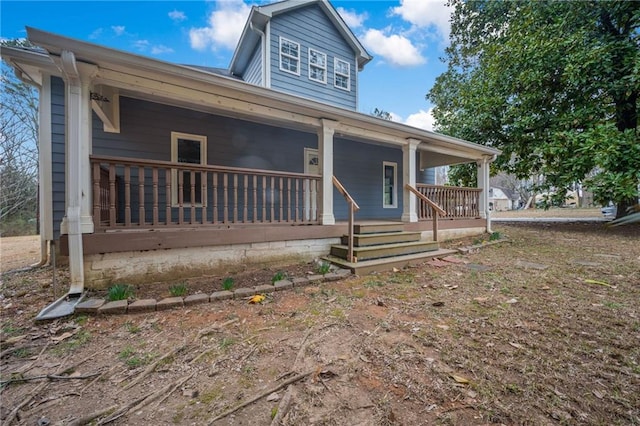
[364,240]
[375,228]
[386,250]
[387,264]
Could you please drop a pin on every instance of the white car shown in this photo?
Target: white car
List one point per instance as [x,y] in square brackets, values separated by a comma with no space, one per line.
[609,211]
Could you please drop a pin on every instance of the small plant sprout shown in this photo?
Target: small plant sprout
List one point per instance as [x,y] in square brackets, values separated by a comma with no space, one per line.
[323,268]
[278,276]
[178,290]
[227,283]
[120,292]
[495,236]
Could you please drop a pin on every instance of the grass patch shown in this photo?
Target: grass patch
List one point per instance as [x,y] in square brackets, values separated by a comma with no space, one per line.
[178,290]
[278,276]
[227,283]
[119,292]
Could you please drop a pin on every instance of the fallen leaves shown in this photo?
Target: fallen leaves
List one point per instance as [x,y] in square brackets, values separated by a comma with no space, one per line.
[460,379]
[258,298]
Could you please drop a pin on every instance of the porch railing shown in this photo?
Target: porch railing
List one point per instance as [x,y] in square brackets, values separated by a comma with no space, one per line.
[436,210]
[353,208]
[132,193]
[457,202]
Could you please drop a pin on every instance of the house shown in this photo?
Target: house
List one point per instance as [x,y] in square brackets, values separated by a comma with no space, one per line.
[152,170]
[501,199]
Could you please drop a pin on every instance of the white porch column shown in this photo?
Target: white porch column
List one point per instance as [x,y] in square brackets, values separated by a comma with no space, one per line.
[483,183]
[78,219]
[325,157]
[409,200]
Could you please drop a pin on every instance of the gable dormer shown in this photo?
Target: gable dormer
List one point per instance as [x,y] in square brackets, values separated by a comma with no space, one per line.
[303,48]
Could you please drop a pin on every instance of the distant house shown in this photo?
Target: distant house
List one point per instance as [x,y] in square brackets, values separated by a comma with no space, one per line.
[152,170]
[501,199]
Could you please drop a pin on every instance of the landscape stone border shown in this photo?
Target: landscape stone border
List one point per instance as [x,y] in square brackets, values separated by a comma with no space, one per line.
[102,307]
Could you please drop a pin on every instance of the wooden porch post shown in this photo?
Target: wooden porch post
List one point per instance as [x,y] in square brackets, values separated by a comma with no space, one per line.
[483,183]
[325,157]
[409,201]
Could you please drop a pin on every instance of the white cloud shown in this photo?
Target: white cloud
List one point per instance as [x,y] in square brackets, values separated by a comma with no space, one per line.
[224,29]
[160,49]
[95,34]
[422,119]
[118,29]
[396,49]
[141,45]
[425,13]
[177,16]
[352,18]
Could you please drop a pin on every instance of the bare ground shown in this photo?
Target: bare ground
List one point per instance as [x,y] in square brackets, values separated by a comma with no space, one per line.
[543,329]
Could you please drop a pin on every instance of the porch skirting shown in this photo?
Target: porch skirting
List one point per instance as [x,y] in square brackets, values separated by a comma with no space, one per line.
[133,267]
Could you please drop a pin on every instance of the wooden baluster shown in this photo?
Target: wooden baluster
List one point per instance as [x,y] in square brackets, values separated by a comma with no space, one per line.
[154,177]
[225,199]
[204,176]
[215,198]
[235,198]
[112,195]
[127,196]
[264,199]
[280,201]
[288,199]
[255,198]
[141,212]
[192,197]
[314,199]
[167,196]
[272,202]
[245,200]
[297,219]
[96,195]
[180,196]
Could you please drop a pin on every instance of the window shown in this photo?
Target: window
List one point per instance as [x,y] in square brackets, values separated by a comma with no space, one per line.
[289,56]
[341,74]
[189,149]
[389,178]
[317,66]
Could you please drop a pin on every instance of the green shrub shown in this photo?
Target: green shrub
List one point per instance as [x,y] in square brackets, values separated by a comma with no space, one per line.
[495,236]
[178,290]
[120,292]
[278,276]
[227,284]
[323,268]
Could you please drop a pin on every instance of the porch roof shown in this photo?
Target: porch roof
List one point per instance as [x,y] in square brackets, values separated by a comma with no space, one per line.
[195,88]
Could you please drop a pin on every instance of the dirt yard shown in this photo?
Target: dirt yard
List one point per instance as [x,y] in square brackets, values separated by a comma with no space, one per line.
[542,329]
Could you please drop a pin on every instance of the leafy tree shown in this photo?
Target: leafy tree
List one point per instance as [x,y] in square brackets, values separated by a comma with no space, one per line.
[18,151]
[554,85]
[380,113]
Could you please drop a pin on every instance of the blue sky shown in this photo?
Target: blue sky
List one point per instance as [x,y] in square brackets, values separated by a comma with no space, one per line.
[406,38]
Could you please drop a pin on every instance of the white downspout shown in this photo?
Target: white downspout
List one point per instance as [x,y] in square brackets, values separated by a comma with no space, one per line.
[263,48]
[74,123]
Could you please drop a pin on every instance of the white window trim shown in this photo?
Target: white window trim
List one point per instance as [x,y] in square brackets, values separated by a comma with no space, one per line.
[386,164]
[175,136]
[281,55]
[324,68]
[347,75]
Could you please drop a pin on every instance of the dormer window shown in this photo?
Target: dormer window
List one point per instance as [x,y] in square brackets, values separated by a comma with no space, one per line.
[317,66]
[341,74]
[289,56]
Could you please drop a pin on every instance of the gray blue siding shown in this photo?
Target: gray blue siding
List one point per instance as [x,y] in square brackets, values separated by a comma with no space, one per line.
[253,73]
[310,27]
[58,152]
[359,167]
